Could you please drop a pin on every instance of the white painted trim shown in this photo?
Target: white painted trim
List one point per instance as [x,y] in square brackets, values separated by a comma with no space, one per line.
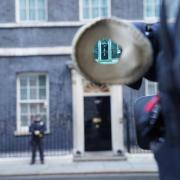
[62,50]
[42,24]
[66,23]
[26,133]
[17,104]
[96,94]
[89,20]
[117,119]
[17,15]
[147,90]
[80,10]
[48,102]
[25,130]
[110,8]
[78,113]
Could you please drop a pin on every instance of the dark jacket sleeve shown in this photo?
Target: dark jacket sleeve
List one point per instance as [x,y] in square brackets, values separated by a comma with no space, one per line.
[43,128]
[151,32]
[168,159]
[31,128]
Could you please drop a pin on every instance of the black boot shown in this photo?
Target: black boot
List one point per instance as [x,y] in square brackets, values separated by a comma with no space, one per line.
[32,162]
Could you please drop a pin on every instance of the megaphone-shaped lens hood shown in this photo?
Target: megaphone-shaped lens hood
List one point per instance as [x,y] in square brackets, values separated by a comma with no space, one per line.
[111,51]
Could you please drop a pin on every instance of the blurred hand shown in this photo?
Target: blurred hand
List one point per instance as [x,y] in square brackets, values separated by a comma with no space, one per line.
[167,154]
[36,132]
[169,77]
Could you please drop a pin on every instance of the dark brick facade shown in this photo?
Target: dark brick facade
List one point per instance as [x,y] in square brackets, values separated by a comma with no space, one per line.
[60,100]
[37,37]
[127,9]
[7,11]
[63,10]
[55,66]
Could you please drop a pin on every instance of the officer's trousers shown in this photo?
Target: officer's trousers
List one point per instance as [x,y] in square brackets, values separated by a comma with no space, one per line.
[37,144]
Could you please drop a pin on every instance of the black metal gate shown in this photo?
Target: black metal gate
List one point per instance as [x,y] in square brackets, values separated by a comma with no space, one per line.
[58,141]
[129,122]
[131,140]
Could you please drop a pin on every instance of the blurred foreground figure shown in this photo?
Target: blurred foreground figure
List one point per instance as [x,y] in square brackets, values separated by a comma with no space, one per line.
[37,130]
[167,154]
[158,117]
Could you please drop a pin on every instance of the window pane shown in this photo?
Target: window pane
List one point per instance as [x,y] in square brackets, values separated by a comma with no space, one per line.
[95,8]
[152,8]
[32,15]
[42,93]
[151,88]
[41,9]
[23,15]
[32,117]
[86,13]
[23,10]
[22,4]
[150,13]
[42,81]
[44,118]
[95,3]
[33,109]
[32,87]
[104,12]
[41,4]
[42,108]
[24,108]
[41,15]
[32,4]
[104,3]
[95,12]
[32,9]
[86,3]
[24,94]
[33,81]
[24,121]
[172,8]
[23,81]
[33,93]
[157,11]
[114,49]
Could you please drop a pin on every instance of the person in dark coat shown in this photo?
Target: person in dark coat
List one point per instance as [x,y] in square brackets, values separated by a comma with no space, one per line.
[166,151]
[37,130]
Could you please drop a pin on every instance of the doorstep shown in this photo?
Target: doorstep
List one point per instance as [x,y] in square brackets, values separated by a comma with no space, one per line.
[99,156]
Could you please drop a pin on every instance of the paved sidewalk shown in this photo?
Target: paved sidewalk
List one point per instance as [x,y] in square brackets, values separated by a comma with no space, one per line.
[66,165]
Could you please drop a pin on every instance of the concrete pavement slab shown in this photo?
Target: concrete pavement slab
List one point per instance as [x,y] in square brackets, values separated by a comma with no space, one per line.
[66,165]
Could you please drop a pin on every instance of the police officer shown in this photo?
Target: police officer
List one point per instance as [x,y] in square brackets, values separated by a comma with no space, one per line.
[37,130]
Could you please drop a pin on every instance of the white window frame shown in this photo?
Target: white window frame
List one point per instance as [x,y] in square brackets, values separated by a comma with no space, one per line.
[153,18]
[147,93]
[25,130]
[90,19]
[18,20]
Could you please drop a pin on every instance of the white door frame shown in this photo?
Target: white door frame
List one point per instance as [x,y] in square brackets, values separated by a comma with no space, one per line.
[78,116]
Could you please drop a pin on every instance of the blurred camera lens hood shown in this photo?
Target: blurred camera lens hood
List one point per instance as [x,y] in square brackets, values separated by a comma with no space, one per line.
[135,60]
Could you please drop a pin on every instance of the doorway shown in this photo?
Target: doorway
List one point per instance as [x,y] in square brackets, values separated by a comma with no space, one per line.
[86,96]
[97,123]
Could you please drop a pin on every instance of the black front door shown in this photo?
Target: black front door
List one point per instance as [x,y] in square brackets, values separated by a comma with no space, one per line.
[97,116]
